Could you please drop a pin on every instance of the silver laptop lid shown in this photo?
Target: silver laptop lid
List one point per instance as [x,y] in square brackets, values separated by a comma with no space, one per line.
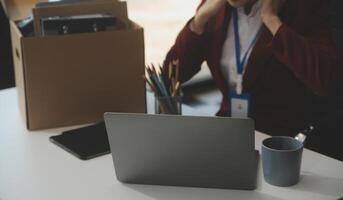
[183,150]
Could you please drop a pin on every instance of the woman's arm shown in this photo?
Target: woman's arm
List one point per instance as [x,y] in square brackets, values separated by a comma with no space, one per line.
[189,50]
[311,56]
[191,44]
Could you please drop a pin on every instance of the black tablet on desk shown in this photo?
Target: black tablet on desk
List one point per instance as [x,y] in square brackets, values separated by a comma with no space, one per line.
[84,143]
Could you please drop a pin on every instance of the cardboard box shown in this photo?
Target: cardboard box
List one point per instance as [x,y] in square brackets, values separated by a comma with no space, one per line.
[73,79]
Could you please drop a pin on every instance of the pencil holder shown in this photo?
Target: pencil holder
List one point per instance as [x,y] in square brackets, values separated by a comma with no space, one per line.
[170,105]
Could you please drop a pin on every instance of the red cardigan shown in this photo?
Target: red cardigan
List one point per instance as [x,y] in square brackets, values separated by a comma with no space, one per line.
[284,73]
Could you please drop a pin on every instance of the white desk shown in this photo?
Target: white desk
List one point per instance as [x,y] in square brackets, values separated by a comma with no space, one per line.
[32,168]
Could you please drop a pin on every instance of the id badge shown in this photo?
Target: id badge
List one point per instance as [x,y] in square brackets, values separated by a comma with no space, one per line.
[239,105]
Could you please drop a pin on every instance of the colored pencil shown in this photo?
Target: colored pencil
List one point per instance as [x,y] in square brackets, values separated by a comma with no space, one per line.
[164,82]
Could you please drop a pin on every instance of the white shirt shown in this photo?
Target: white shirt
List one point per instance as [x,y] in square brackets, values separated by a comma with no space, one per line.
[248,27]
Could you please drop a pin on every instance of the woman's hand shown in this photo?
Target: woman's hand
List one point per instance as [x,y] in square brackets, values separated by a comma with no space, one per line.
[205,13]
[269,14]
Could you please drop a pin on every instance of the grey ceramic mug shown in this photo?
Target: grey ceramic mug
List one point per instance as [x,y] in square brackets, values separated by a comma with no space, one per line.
[281,160]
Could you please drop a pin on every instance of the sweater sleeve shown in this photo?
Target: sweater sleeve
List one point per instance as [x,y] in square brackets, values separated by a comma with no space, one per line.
[189,48]
[312,57]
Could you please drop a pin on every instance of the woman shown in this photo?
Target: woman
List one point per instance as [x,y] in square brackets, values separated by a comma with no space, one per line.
[290,57]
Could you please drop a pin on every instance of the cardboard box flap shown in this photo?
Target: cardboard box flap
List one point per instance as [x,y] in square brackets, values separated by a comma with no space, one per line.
[18,9]
[114,7]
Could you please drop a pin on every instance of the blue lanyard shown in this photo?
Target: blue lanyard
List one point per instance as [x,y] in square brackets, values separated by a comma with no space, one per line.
[240,63]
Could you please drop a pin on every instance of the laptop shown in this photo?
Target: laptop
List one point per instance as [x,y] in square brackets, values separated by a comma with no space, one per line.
[210,152]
